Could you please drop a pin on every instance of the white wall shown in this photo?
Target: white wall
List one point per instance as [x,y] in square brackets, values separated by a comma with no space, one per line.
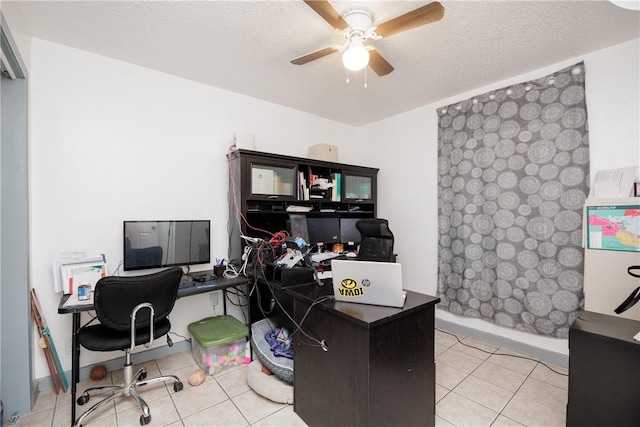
[112,141]
[405,148]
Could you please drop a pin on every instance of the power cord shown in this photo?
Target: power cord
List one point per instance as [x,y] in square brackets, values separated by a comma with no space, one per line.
[240,294]
[502,354]
[178,335]
[117,270]
[323,344]
[246,256]
[93,316]
[319,342]
[230,271]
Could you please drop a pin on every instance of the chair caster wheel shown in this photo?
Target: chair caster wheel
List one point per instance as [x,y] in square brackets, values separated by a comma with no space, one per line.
[145,420]
[177,386]
[142,375]
[83,399]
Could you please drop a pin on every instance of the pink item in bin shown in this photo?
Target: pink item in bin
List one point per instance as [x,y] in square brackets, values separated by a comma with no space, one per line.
[247,353]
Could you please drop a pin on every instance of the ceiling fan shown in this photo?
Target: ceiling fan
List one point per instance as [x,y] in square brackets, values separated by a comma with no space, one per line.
[357,27]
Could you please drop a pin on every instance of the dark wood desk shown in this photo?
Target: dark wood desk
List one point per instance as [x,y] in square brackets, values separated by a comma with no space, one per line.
[220,284]
[604,371]
[378,368]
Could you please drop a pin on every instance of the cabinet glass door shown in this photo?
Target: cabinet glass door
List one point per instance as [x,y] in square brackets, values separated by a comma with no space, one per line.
[273,180]
[358,187]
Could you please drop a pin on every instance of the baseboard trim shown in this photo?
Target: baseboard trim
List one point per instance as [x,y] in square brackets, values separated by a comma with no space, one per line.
[500,341]
[112,365]
[559,359]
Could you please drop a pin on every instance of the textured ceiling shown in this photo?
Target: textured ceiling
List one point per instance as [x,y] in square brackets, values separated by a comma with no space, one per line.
[246,46]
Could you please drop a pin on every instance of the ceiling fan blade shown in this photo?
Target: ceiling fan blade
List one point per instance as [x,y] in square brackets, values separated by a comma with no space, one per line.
[379,64]
[313,56]
[423,15]
[328,13]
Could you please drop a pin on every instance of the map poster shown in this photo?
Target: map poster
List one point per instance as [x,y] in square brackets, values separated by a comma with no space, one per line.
[613,228]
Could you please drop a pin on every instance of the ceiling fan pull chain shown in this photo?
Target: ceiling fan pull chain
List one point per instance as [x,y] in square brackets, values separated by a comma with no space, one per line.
[365,78]
[347,75]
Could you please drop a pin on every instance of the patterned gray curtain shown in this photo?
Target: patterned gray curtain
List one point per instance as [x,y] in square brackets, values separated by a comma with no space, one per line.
[513,174]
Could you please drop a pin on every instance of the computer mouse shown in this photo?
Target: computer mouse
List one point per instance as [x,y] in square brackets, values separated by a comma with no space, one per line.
[200,279]
[351,255]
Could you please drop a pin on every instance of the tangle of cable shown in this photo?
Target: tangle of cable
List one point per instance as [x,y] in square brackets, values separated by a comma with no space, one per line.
[235,199]
[316,301]
[298,325]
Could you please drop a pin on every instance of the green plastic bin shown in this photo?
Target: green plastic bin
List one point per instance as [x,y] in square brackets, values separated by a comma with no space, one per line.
[218,343]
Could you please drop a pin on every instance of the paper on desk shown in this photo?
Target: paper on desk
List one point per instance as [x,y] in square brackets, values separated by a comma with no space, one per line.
[325,274]
[613,183]
[70,257]
[73,301]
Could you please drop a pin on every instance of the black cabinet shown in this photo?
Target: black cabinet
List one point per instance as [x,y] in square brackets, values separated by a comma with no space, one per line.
[376,367]
[270,178]
[358,186]
[266,188]
[604,371]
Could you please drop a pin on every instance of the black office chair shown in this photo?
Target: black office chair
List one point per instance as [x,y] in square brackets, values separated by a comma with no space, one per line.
[376,240]
[132,311]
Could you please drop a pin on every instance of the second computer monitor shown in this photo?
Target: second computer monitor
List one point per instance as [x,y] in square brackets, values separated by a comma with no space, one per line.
[349,234]
[325,230]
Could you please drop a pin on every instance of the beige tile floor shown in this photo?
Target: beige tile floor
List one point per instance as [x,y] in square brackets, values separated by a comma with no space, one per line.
[472,389]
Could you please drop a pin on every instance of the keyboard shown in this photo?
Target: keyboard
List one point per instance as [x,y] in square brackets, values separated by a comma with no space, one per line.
[186,281]
[207,284]
[200,282]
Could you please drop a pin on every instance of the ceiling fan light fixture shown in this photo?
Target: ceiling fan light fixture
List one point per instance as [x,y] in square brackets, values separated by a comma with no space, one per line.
[356,57]
[356,25]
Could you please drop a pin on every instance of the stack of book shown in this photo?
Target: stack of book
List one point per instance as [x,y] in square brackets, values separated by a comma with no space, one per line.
[320,187]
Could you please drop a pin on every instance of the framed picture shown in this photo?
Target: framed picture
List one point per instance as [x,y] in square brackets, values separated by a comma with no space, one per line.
[614,228]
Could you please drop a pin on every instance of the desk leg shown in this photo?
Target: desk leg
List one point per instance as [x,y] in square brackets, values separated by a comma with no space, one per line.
[75,364]
[224,301]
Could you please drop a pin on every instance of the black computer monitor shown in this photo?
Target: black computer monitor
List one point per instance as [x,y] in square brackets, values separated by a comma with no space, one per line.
[156,244]
[349,234]
[325,230]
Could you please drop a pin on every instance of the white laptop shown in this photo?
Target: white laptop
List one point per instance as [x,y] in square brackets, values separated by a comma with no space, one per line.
[368,282]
